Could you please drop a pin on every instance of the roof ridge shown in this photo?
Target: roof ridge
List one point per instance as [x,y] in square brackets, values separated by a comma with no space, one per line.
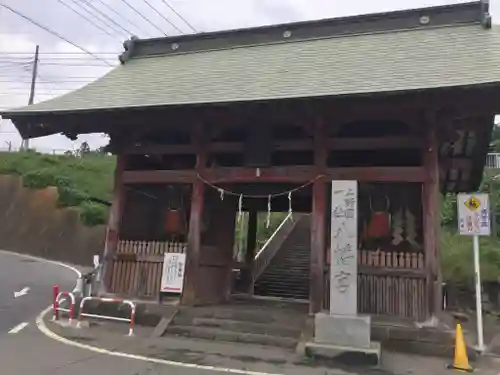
[471,12]
[274,43]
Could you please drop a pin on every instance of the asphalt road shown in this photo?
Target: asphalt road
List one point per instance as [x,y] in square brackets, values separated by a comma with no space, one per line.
[27,351]
[18,273]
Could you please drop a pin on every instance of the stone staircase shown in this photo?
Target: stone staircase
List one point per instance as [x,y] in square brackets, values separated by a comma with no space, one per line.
[287,275]
[269,323]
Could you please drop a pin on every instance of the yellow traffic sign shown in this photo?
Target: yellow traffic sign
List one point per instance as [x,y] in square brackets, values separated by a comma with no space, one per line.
[472,203]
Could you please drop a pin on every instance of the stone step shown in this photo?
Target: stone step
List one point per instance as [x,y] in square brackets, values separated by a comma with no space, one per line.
[283,265]
[248,327]
[290,271]
[284,287]
[285,291]
[268,316]
[281,294]
[231,336]
[291,275]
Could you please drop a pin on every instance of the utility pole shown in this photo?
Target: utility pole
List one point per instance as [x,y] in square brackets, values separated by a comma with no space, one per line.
[26,142]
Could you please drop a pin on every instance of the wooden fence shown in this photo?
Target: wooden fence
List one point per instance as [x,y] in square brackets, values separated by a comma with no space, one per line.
[389,283]
[137,267]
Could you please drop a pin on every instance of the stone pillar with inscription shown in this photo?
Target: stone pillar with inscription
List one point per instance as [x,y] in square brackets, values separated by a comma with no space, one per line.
[342,330]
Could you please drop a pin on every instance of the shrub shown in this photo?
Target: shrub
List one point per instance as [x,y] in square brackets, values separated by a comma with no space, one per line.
[92,214]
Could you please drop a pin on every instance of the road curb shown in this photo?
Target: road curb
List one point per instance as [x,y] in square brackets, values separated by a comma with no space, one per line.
[47,332]
[42,327]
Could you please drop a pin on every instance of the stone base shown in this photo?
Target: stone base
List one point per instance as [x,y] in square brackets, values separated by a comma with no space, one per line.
[343,330]
[346,355]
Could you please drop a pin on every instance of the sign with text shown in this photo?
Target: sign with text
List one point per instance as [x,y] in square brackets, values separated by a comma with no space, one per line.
[473,214]
[172,278]
[344,248]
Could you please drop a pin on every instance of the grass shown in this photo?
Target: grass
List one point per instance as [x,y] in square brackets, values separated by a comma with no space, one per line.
[457,258]
[77,178]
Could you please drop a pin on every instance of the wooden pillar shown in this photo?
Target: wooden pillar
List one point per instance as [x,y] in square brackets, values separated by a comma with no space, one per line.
[316,278]
[189,293]
[250,250]
[431,223]
[112,230]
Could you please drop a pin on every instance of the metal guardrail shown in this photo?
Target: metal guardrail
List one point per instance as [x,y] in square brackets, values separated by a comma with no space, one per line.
[56,305]
[130,320]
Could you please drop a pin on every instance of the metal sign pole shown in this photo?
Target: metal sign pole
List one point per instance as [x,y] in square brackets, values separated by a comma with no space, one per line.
[474,220]
[479,307]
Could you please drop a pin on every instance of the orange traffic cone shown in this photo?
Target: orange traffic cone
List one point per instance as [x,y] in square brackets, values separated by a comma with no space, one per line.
[460,360]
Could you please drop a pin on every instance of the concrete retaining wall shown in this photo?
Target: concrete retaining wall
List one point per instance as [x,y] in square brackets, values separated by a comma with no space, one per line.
[31,223]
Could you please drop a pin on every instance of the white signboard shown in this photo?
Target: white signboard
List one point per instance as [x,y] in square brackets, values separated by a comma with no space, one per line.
[172,278]
[473,214]
[344,248]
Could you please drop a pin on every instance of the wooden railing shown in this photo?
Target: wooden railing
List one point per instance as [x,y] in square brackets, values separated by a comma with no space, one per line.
[389,259]
[137,267]
[389,283]
[272,245]
[493,160]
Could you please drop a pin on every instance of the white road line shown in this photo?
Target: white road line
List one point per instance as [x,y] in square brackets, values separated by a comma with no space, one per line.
[22,292]
[74,269]
[18,328]
[47,332]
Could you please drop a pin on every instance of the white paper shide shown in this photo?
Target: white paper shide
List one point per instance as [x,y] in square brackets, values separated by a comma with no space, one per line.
[343,248]
[172,278]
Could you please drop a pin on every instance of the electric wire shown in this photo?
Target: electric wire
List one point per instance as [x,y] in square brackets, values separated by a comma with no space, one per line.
[87,19]
[90,5]
[179,15]
[143,17]
[162,16]
[127,20]
[50,31]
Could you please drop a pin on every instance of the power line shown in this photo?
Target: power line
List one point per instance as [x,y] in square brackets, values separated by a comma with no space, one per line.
[81,64]
[86,18]
[178,15]
[13,80]
[90,5]
[140,14]
[162,16]
[99,17]
[122,17]
[51,32]
[55,53]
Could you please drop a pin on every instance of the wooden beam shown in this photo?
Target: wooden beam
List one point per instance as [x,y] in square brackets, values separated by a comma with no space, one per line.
[293,174]
[379,174]
[334,144]
[159,176]
[430,204]
[375,143]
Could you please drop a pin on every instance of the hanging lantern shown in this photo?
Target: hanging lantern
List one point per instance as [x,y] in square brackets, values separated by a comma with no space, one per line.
[175,223]
[379,225]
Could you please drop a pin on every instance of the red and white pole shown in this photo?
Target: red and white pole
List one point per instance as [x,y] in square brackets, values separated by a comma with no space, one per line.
[55,290]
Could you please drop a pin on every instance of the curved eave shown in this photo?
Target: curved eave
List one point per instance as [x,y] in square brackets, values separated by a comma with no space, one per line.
[385,62]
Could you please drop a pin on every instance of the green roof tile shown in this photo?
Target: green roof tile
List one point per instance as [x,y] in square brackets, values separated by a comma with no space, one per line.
[421,58]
